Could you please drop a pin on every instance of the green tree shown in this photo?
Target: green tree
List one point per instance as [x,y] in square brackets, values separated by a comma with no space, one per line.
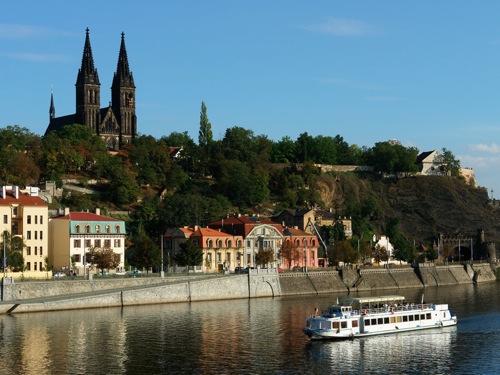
[205,137]
[14,251]
[451,165]
[144,253]
[189,255]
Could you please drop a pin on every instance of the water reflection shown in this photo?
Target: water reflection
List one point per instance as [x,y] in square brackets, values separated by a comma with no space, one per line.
[247,337]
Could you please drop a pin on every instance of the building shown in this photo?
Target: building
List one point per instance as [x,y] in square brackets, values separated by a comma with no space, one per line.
[116,124]
[236,240]
[25,215]
[74,233]
[431,163]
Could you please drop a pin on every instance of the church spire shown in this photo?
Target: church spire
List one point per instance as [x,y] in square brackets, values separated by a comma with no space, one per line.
[52,110]
[87,73]
[123,75]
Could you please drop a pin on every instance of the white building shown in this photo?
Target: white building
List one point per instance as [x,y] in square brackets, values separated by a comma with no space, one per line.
[74,233]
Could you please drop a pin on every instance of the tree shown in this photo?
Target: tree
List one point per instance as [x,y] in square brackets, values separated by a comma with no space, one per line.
[205,137]
[380,254]
[14,251]
[289,252]
[102,258]
[190,255]
[264,257]
[344,252]
[144,253]
[451,165]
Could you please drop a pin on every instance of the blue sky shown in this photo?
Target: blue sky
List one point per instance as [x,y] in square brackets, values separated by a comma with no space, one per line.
[426,73]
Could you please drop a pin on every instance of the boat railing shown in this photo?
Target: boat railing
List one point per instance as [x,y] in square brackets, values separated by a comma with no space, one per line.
[398,308]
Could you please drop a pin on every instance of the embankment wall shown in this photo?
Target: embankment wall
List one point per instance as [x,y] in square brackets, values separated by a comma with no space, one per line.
[73,294]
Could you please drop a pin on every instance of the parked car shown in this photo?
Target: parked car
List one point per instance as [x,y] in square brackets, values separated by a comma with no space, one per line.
[59,275]
[280,270]
[120,273]
[297,269]
[239,270]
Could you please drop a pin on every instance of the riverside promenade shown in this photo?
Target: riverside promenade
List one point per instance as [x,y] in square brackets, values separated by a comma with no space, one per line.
[52,295]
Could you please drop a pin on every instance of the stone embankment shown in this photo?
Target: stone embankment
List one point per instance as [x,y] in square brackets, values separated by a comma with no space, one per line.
[73,294]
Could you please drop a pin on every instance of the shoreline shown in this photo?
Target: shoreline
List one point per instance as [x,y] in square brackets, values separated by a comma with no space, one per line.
[28,297]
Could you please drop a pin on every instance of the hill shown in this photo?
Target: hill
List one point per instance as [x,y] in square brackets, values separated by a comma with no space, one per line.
[424,205]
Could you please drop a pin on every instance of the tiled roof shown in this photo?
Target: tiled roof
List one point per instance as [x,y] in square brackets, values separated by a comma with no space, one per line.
[24,199]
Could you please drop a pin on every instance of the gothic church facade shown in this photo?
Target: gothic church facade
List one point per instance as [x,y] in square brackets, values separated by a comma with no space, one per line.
[115,124]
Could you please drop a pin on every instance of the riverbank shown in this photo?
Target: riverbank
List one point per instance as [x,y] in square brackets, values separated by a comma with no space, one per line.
[26,297]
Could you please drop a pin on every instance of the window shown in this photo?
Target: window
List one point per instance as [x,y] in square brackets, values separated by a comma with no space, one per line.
[343,324]
[209,257]
[34,266]
[219,257]
[107,243]
[228,257]
[28,219]
[97,243]
[98,229]
[108,229]
[76,258]
[354,323]
[36,219]
[209,243]
[28,235]
[28,266]
[367,322]
[87,229]
[41,235]
[41,266]
[14,211]
[118,243]
[77,229]
[218,243]
[41,251]
[88,243]
[28,250]
[405,318]
[248,243]
[36,235]
[5,219]
[77,243]
[118,229]
[41,219]
[36,250]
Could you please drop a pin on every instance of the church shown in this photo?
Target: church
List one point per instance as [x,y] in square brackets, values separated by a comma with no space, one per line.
[116,124]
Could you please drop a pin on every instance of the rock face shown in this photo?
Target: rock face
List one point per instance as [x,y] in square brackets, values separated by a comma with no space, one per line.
[425,205]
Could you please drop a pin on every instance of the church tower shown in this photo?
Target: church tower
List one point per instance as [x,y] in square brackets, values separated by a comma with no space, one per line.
[88,90]
[123,97]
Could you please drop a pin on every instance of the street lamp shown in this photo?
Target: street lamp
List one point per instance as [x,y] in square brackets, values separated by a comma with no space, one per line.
[162,273]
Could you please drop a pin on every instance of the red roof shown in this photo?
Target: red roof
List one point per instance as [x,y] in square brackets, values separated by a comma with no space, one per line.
[24,199]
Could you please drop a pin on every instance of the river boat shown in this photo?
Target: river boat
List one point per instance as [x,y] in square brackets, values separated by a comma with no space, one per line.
[369,316]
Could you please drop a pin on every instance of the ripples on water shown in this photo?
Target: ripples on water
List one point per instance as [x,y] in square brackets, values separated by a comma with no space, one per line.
[260,336]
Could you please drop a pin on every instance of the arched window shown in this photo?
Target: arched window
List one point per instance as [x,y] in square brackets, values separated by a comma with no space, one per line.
[219,243]
[210,243]
[229,243]
[118,229]
[98,229]
[77,228]
[108,229]
[87,228]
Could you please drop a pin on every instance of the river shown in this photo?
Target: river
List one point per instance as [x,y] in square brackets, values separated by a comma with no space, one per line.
[259,336]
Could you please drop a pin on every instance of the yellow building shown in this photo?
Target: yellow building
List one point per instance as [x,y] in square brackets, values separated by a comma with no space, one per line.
[24,214]
[74,233]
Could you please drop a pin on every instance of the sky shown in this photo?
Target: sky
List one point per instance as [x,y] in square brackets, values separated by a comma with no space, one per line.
[424,73]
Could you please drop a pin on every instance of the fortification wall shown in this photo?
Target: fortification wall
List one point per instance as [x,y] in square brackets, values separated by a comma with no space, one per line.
[406,278]
[483,273]
[294,284]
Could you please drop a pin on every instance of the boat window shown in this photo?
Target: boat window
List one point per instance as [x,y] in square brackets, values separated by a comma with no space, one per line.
[405,318]
[380,321]
[325,324]
[343,324]
[417,317]
[429,316]
[398,319]
[422,316]
[386,320]
[335,324]
[393,319]
[354,323]
[367,322]
[410,318]
[374,322]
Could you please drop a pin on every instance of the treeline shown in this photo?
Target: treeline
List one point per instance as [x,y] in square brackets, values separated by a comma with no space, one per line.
[198,181]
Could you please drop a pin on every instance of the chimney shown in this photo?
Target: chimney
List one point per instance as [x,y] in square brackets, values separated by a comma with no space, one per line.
[98,211]
[3,191]
[66,211]
[16,192]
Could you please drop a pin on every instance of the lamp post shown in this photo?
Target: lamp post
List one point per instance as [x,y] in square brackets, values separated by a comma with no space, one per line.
[4,260]
[162,273]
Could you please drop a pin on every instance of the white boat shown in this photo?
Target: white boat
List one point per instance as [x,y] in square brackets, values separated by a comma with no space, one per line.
[369,316]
